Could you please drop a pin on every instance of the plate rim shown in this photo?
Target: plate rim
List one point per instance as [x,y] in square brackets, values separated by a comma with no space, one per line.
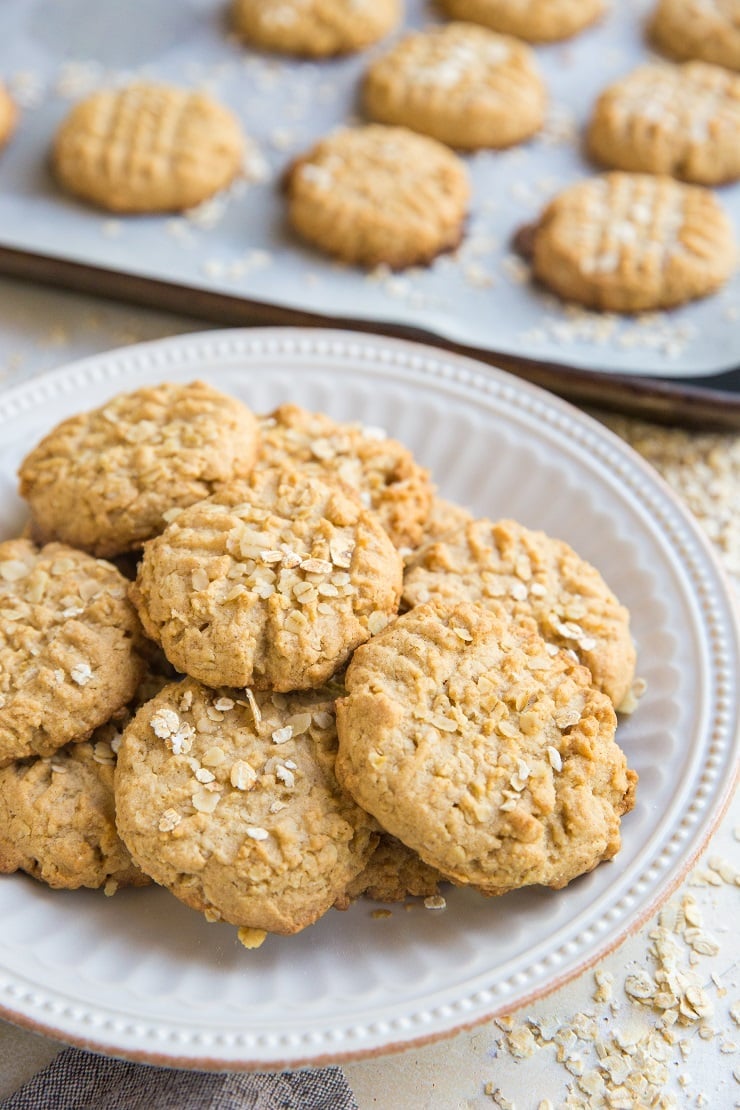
[228,344]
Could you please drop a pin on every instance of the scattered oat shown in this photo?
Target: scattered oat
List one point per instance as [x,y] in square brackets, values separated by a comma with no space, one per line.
[251,938]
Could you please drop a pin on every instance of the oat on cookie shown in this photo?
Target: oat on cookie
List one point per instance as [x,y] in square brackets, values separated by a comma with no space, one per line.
[379,195]
[531,20]
[8,115]
[105,480]
[394,873]
[269,583]
[229,799]
[506,566]
[705,29]
[491,758]
[633,242]
[678,120]
[384,472]
[147,148]
[463,85]
[314,28]
[68,647]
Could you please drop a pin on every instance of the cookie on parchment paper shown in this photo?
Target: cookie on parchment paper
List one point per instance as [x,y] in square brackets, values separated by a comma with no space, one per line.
[708,30]
[378,195]
[633,242]
[231,802]
[68,647]
[461,84]
[492,759]
[147,148]
[531,20]
[103,480]
[681,120]
[8,115]
[314,28]
[271,582]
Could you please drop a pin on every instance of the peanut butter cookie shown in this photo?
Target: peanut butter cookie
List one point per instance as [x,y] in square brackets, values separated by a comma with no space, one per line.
[705,29]
[272,582]
[147,148]
[490,757]
[531,20]
[381,469]
[68,647]
[379,195]
[232,803]
[632,242]
[463,85]
[677,120]
[103,481]
[315,28]
[505,566]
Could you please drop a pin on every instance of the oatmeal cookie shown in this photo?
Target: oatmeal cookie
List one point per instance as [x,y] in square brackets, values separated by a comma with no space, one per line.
[678,120]
[381,469]
[231,803]
[708,30]
[147,148]
[315,28]
[105,480]
[463,85]
[633,242]
[379,195]
[504,565]
[491,758]
[68,647]
[531,20]
[271,583]
[445,517]
[8,115]
[394,873]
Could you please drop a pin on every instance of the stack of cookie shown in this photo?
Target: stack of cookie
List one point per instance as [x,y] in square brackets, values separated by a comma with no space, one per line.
[323,681]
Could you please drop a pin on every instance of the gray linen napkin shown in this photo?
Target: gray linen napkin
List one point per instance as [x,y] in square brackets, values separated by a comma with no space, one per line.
[77,1080]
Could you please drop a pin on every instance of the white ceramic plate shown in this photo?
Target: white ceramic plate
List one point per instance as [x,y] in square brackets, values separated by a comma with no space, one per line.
[142,976]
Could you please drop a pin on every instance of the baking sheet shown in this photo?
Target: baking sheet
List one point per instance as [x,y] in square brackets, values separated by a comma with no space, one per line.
[237,244]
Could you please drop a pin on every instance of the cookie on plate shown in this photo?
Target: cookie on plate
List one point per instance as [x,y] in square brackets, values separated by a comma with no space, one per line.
[445,517]
[531,20]
[504,565]
[708,30]
[8,115]
[492,759]
[678,120]
[382,470]
[461,84]
[394,873]
[104,480]
[633,242]
[272,582]
[147,148]
[379,195]
[233,805]
[68,647]
[314,28]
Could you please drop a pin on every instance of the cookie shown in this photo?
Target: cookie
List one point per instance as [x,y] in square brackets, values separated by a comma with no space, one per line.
[505,566]
[270,583]
[8,115]
[394,873]
[461,84]
[314,28]
[445,517]
[379,195]
[233,805]
[492,759]
[68,647]
[381,469]
[104,480]
[632,242]
[708,30]
[678,120]
[147,148]
[531,20]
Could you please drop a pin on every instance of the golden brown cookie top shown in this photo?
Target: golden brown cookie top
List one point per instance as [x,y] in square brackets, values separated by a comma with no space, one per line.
[147,148]
[531,20]
[230,800]
[104,480]
[68,647]
[271,582]
[314,28]
[490,757]
[705,29]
